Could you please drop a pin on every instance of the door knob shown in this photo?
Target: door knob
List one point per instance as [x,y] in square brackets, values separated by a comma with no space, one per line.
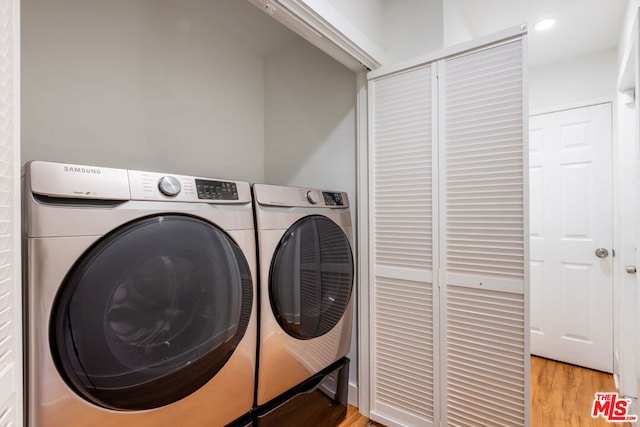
[602,253]
[631,269]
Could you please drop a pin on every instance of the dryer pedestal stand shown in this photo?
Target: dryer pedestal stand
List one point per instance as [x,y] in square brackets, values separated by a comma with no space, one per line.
[320,401]
[244,421]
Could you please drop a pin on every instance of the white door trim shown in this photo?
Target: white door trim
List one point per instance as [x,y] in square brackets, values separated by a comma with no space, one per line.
[363,249]
[573,105]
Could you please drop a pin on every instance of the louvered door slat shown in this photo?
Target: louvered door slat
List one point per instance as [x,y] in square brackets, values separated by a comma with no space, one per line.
[493,365]
[402,142]
[483,240]
[401,162]
[500,88]
[10,313]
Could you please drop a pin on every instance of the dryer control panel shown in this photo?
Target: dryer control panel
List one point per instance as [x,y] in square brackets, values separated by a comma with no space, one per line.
[333,199]
[273,195]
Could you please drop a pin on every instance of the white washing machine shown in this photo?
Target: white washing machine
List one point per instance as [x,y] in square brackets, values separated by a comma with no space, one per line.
[306,284]
[140,298]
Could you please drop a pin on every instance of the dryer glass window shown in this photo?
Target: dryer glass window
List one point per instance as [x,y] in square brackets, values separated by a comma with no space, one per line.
[151,312]
[311,277]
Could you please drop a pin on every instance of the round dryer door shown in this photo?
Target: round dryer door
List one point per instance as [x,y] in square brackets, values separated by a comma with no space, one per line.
[151,312]
[311,277]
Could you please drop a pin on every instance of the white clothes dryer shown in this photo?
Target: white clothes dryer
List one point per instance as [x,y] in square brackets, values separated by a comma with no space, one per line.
[306,284]
[140,298]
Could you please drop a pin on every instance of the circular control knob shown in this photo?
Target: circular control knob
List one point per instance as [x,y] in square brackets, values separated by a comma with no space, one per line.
[169,186]
[313,197]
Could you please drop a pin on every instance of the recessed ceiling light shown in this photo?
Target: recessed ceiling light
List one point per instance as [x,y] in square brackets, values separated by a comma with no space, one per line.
[545,24]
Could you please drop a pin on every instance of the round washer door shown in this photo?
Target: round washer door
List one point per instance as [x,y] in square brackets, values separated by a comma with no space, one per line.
[151,312]
[311,277]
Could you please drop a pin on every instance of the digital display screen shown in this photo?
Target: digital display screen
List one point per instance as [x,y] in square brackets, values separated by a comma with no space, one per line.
[333,199]
[216,190]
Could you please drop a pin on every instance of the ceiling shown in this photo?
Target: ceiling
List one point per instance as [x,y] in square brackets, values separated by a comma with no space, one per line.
[583,27]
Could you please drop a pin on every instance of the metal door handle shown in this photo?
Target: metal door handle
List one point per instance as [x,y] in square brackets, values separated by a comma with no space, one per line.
[602,253]
[631,269]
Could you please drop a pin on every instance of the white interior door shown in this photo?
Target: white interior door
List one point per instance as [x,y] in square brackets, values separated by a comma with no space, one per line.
[571,217]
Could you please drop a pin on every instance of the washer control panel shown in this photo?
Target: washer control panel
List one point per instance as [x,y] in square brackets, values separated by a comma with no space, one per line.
[181,188]
[169,186]
[91,182]
[216,190]
[313,197]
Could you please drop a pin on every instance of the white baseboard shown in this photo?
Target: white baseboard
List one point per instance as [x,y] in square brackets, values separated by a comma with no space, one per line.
[353,394]
[633,410]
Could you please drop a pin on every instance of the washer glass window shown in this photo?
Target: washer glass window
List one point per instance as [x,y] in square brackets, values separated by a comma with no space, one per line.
[311,277]
[151,312]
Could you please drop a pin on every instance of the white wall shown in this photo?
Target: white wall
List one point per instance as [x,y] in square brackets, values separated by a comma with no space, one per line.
[310,129]
[147,84]
[366,15]
[389,30]
[412,28]
[629,17]
[309,119]
[402,28]
[574,81]
[456,29]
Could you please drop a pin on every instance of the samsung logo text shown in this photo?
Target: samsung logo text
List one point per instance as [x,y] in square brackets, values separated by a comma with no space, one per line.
[75,169]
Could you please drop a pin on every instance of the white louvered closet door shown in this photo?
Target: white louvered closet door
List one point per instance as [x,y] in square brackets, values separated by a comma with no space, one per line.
[403,388]
[448,240]
[11,408]
[483,238]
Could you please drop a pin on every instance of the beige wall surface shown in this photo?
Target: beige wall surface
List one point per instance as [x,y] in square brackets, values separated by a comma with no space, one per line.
[145,84]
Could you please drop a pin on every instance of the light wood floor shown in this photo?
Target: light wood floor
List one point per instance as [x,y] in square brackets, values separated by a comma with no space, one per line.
[561,395]
[354,419]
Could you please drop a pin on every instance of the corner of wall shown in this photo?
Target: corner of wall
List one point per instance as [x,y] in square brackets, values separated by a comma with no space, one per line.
[412,28]
[623,43]
[456,30]
[353,394]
